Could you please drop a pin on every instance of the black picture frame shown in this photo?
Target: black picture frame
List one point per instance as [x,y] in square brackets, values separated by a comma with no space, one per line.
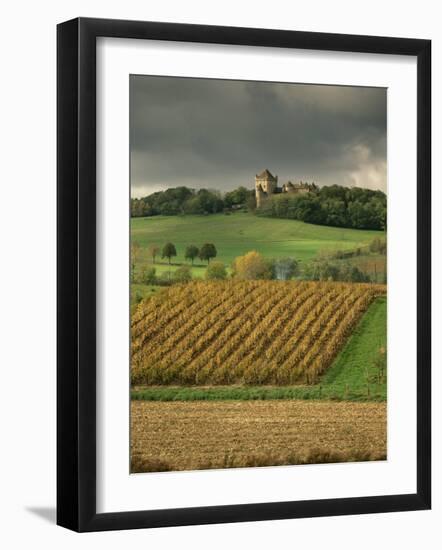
[76,274]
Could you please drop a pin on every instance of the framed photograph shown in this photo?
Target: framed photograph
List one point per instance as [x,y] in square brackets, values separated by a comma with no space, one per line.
[243,274]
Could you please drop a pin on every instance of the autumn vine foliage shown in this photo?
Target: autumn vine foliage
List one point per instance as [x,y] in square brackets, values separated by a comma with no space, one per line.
[246,332]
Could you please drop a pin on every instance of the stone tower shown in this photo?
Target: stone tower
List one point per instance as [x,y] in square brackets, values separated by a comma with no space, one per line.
[265,185]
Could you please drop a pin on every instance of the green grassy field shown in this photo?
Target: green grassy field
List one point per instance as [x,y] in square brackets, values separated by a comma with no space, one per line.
[354,365]
[236,234]
[351,377]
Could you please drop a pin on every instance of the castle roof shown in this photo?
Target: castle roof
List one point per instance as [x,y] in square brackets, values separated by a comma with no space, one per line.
[266,174]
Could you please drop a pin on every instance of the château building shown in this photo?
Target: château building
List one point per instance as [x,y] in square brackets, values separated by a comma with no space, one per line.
[266,184]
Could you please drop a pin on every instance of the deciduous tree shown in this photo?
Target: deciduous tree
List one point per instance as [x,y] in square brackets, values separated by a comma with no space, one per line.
[191,253]
[251,266]
[284,268]
[153,251]
[207,252]
[169,251]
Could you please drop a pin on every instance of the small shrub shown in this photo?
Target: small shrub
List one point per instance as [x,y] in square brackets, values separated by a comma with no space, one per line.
[182,275]
[148,276]
[378,246]
[216,271]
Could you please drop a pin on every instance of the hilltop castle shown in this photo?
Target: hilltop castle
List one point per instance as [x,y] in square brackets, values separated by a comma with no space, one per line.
[266,184]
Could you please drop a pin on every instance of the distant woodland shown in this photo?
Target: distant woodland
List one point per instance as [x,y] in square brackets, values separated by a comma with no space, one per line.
[335,205]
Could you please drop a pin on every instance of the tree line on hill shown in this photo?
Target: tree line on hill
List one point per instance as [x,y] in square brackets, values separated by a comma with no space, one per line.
[206,252]
[182,200]
[183,274]
[334,205]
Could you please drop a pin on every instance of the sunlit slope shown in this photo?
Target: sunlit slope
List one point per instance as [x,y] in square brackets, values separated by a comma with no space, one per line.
[234,235]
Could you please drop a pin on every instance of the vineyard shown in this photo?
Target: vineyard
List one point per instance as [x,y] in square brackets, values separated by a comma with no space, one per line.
[246,332]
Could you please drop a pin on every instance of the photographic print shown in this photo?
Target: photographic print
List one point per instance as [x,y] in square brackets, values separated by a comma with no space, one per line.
[258,273]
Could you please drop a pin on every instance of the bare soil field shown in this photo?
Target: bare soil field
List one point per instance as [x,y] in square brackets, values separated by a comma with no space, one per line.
[228,434]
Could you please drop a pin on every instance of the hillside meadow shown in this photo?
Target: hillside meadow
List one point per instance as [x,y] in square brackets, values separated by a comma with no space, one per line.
[237,233]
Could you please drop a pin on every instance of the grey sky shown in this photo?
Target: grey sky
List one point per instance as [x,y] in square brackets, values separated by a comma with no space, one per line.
[218,134]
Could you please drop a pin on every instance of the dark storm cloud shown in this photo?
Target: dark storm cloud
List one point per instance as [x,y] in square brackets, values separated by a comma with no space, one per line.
[219,134]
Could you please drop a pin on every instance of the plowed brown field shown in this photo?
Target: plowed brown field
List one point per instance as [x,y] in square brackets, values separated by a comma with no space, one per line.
[200,435]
